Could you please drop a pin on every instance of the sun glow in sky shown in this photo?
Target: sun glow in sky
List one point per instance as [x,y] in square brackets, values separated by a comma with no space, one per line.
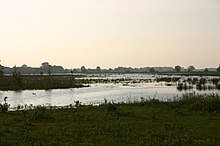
[110,33]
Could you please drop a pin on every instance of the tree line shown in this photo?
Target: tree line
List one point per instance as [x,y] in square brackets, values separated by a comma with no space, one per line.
[46,68]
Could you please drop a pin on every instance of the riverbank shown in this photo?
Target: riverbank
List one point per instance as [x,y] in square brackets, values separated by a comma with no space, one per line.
[194,120]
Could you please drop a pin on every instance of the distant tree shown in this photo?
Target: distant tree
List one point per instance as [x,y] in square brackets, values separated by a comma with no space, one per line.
[98,69]
[152,70]
[206,70]
[83,69]
[24,66]
[191,68]
[1,70]
[15,72]
[71,71]
[178,68]
[110,69]
[75,70]
[49,72]
[45,64]
[218,69]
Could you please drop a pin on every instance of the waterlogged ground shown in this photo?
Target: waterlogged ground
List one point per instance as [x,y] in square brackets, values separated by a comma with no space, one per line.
[140,76]
[97,93]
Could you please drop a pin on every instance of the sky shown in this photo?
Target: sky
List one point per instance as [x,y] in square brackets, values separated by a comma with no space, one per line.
[110,33]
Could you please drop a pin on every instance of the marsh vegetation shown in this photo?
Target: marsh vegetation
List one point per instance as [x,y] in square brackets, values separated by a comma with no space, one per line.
[30,82]
[191,120]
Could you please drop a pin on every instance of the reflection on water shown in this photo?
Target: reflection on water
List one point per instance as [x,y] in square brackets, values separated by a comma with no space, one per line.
[96,94]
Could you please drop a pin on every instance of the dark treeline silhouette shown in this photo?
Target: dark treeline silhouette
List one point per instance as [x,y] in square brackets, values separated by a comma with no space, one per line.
[46,68]
[98,69]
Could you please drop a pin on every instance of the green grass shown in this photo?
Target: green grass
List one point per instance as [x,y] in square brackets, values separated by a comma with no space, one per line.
[193,120]
[30,82]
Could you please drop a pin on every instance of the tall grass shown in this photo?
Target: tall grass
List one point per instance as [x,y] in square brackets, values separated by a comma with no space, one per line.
[196,102]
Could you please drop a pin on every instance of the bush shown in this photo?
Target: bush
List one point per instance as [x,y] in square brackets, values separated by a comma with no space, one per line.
[4,107]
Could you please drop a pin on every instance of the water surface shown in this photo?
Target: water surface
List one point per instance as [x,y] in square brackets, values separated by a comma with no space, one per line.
[96,94]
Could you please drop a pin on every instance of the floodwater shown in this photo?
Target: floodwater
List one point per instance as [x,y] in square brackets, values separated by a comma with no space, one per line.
[97,93]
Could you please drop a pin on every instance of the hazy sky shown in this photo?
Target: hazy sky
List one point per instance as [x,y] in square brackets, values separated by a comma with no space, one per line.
[110,33]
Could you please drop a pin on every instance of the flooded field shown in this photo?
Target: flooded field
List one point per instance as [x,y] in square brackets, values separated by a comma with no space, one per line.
[133,87]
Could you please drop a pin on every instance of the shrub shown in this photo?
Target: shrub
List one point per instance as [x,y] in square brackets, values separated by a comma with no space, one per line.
[4,107]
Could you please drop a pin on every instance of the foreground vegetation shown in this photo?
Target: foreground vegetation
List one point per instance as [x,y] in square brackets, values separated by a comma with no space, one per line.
[192,120]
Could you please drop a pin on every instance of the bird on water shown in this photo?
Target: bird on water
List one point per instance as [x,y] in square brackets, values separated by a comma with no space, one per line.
[5,98]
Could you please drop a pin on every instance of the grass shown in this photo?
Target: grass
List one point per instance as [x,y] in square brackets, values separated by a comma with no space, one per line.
[30,82]
[192,120]
[200,84]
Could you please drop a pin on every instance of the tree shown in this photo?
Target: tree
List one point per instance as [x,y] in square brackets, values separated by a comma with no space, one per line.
[178,68]
[1,70]
[83,69]
[110,70]
[15,72]
[191,68]
[49,72]
[71,71]
[24,66]
[98,68]
[45,65]
[46,68]
[152,70]
[206,70]
[218,69]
